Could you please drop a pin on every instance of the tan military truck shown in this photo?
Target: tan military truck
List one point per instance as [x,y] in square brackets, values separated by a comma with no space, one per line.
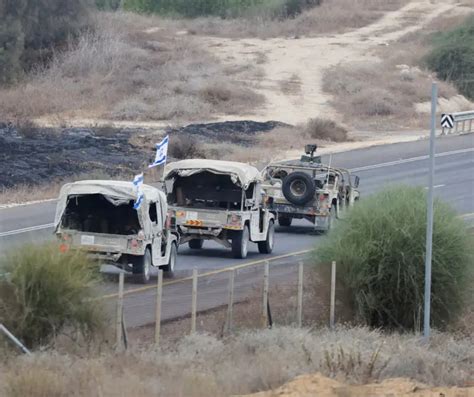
[99,217]
[308,189]
[221,201]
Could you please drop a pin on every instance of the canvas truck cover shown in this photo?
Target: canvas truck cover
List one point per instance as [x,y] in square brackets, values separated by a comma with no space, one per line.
[241,174]
[116,192]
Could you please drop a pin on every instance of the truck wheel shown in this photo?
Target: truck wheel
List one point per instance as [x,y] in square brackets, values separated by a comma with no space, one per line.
[284,221]
[298,188]
[142,267]
[196,243]
[266,247]
[240,243]
[169,268]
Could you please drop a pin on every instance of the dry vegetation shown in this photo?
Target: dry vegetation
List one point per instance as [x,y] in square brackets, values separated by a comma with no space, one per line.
[132,68]
[265,147]
[336,16]
[400,85]
[202,365]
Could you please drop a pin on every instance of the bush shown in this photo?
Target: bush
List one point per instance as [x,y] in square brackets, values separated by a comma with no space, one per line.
[222,8]
[326,129]
[380,249]
[47,292]
[186,148]
[452,57]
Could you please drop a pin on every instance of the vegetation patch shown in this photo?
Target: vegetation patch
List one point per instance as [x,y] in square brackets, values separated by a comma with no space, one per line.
[46,292]
[452,57]
[380,249]
[222,8]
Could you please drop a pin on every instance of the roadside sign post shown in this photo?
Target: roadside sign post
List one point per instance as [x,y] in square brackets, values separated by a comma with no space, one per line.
[429,220]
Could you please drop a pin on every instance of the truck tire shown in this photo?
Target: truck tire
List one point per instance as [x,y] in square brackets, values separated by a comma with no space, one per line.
[141,267]
[240,243]
[266,247]
[196,243]
[169,268]
[284,221]
[298,188]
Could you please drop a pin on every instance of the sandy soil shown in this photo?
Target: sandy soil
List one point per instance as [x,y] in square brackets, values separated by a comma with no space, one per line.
[318,385]
[304,60]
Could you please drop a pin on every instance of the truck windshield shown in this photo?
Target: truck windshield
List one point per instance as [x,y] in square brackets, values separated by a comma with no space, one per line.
[206,190]
[95,214]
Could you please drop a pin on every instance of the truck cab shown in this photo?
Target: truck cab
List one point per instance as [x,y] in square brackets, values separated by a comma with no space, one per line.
[98,216]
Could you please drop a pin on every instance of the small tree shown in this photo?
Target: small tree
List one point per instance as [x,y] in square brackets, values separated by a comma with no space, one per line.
[380,251]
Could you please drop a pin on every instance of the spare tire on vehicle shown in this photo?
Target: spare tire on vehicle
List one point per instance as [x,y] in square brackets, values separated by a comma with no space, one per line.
[298,188]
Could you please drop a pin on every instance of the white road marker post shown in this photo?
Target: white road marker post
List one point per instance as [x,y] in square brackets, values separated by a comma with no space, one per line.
[299,314]
[429,220]
[159,293]
[333,296]
[194,301]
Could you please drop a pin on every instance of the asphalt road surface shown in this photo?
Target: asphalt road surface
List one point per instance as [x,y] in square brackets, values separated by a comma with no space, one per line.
[404,163]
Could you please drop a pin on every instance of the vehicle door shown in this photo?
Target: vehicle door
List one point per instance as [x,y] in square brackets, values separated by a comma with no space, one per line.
[154,212]
[257,213]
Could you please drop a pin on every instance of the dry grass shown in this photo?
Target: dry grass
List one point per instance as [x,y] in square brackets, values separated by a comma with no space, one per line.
[389,100]
[398,82]
[131,68]
[334,16]
[202,365]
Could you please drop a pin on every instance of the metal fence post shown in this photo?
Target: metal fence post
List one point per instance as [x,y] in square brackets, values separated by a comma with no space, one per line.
[230,307]
[159,293]
[265,295]
[194,301]
[118,323]
[299,317]
[333,295]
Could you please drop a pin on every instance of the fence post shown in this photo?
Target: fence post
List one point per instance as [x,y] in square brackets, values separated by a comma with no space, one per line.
[265,295]
[118,319]
[194,301]
[299,318]
[230,307]
[159,293]
[333,294]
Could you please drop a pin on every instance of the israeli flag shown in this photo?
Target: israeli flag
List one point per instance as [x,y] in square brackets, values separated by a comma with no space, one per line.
[139,201]
[137,185]
[161,152]
[138,182]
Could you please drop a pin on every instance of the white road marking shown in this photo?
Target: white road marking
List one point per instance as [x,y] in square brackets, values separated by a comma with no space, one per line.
[410,160]
[435,186]
[26,229]
[13,205]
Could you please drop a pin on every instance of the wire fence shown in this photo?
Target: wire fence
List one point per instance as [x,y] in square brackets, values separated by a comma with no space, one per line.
[250,296]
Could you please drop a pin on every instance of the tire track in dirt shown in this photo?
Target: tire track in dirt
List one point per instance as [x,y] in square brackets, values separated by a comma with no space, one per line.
[307,59]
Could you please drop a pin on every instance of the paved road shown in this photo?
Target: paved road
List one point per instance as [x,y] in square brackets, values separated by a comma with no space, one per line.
[377,167]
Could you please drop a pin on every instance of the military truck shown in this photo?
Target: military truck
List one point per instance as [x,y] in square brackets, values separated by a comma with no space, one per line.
[308,189]
[99,217]
[221,201]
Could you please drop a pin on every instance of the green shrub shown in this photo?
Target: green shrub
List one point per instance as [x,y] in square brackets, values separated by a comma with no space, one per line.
[452,57]
[380,249]
[222,8]
[46,292]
